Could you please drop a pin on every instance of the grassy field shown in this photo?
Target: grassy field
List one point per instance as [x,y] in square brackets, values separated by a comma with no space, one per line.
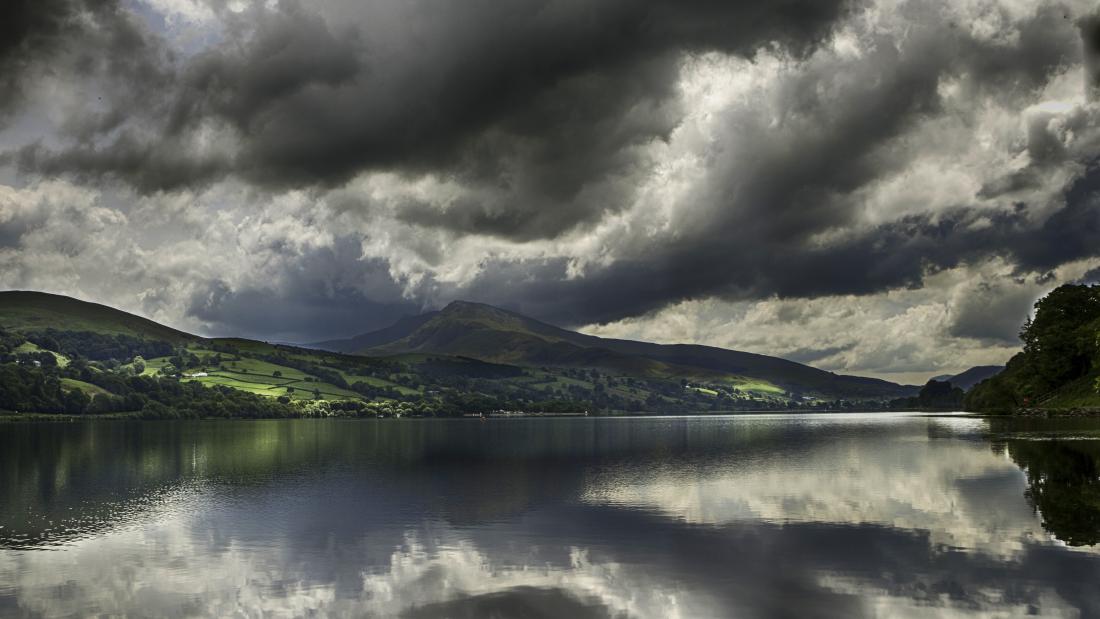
[757,386]
[258,376]
[88,388]
[274,387]
[258,368]
[705,391]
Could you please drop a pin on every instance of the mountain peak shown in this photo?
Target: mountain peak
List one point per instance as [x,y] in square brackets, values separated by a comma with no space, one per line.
[495,335]
[459,305]
[472,310]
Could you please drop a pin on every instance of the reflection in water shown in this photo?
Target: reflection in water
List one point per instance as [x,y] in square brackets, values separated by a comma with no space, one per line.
[1064,486]
[855,515]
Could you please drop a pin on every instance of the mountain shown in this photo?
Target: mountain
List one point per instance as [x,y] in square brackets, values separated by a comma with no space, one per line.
[59,355]
[25,311]
[973,376]
[492,334]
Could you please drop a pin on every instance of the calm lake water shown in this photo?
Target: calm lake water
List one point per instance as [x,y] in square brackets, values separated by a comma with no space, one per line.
[754,516]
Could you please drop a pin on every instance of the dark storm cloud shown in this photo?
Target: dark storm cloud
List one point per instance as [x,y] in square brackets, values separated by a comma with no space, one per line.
[992,314]
[526,72]
[148,166]
[754,238]
[1090,34]
[539,114]
[326,292]
[533,105]
[895,255]
[29,31]
[79,39]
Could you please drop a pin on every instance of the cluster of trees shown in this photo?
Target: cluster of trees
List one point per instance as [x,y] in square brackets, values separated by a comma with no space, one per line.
[936,395]
[10,353]
[10,341]
[183,359]
[1061,348]
[26,388]
[36,358]
[378,391]
[34,389]
[98,346]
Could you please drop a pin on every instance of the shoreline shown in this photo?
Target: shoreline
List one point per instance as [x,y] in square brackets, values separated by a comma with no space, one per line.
[1032,413]
[14,417]
[1076,411]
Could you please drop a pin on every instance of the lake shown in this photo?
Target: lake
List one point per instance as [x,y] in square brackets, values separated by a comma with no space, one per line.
[753,516]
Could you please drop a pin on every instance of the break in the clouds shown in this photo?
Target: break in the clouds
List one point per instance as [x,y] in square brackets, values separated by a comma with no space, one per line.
[875,186]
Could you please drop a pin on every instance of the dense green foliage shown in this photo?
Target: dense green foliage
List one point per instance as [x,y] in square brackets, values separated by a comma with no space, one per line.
[935,395]
[1060,361]
[98,346]
[1060,343]
[40,390]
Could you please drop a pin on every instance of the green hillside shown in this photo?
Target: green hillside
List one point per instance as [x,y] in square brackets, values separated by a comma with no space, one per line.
[493,334]
[23,311]
[61,355]
[1059,367]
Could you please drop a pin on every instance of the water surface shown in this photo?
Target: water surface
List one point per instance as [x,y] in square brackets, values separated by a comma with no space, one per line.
[754,516]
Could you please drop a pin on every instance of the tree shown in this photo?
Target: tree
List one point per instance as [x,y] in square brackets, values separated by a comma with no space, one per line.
[939,394]
[1060,343]
[277,374]
[138,364]
[76,402]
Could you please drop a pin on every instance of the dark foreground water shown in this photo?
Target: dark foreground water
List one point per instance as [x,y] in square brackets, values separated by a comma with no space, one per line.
[765,516]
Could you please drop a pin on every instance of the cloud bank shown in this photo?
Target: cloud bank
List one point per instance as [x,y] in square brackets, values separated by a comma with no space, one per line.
[620,166]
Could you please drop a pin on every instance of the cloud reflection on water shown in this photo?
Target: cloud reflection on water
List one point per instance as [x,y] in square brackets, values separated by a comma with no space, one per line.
[768,517]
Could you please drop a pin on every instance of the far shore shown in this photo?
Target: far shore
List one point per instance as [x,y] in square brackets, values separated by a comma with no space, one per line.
[12,417]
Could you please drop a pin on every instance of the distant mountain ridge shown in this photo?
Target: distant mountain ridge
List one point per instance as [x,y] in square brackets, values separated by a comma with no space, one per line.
[973,376]
[493,334]
[63,355]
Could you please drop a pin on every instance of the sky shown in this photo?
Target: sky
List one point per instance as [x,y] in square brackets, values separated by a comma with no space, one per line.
[873,187]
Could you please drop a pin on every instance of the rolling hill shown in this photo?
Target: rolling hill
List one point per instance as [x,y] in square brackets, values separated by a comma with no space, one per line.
[492,334]
[23,311]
